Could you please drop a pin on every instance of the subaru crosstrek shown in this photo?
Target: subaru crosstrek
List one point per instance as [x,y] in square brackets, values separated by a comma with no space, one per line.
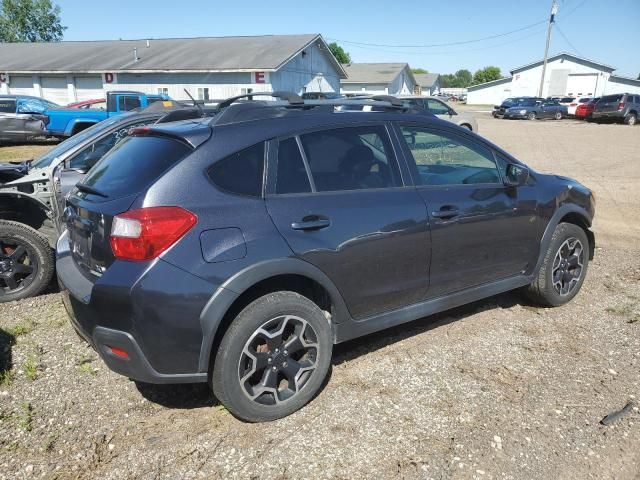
[238,250]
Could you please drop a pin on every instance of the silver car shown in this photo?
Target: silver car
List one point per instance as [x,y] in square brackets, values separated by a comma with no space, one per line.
[441,110]
[22,117]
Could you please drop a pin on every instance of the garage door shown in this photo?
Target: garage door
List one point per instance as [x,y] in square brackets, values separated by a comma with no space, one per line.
[582,85]
[88,88]
[21,85]
[54,89]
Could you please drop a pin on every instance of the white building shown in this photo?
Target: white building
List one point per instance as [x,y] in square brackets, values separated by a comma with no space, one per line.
[378,79]
[427,83]
[566,74]
[209,67]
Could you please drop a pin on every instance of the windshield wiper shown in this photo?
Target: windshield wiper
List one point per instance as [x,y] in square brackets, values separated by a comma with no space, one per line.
[94,191]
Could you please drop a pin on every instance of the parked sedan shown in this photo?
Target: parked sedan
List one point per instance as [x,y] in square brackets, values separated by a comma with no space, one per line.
[441,110]
[532,108]
[22,117]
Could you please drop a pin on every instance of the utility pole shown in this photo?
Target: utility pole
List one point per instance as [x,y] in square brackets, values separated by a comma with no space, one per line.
[554,10]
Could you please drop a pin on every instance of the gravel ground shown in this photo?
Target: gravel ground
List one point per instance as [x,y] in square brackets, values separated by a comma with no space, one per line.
[496,389]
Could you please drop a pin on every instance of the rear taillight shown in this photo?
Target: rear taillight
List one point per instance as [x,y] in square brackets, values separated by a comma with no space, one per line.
[620,105]
[145,233]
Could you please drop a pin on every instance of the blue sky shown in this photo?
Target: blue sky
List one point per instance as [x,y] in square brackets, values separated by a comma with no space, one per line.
[600,30]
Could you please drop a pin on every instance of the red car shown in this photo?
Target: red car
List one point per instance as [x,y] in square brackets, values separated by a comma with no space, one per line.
[96,104]
[584,110]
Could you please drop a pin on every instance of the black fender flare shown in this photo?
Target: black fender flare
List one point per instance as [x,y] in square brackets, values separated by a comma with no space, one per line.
[227,293]
[551,227]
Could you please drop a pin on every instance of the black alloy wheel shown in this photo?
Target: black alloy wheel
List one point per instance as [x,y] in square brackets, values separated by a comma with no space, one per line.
[18,266]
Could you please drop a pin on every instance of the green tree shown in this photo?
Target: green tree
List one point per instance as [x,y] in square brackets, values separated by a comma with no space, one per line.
[30,21]
[447,80]
[463,78]
[338,52]
[419,70]
[486,74]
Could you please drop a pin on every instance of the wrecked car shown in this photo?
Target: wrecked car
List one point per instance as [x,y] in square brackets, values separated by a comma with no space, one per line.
[32,197]
[22,117]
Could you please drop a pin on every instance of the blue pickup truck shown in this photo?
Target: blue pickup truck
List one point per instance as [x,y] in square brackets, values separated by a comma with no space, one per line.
[65,122]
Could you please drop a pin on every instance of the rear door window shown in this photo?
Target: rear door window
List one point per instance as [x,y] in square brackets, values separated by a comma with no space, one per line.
[351,158]
[128,102]
[133,164]
[240,173]
[610,98]
[7,105]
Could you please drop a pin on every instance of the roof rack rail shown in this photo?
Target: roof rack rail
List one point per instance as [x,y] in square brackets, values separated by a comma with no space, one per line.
[395,101]
[290,97]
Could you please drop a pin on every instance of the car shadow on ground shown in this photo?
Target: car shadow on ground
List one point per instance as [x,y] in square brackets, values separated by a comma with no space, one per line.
[179,396]
[199,395]
[352,349]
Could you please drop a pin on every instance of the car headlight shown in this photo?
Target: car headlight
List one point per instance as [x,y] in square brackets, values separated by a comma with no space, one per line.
[522,112]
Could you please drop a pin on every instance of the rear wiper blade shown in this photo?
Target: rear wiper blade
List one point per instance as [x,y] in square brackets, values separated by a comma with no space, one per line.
[94,191]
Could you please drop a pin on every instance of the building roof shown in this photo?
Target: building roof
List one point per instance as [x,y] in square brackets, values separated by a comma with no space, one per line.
[627,80]
[202,54]
[426,80]
[479,86]
[568,56]
[384,73]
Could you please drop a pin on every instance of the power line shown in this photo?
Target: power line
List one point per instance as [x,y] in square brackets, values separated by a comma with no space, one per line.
[450,52]
[450,44]
[567,40]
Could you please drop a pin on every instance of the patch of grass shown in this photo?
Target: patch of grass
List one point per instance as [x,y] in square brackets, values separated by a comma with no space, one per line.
[26,416]
[16,153]
[85,367]
[20,330]
[630,311]
[6,377]
[31,367]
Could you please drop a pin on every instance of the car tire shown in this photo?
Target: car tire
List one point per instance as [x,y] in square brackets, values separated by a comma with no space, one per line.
[531,116]
[247,368]
[563,268]
[558,116]
[631,119]
[23,247]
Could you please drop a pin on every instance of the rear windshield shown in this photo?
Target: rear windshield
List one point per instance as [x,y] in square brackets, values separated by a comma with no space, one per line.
[567,99]
[585,100]
[611,98]
[133,164]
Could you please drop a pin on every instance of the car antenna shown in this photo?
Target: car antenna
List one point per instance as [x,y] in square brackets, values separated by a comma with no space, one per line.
[195,104]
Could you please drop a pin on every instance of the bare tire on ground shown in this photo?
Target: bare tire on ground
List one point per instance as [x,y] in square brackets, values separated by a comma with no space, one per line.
[273,358]
[563,269]
[26,261]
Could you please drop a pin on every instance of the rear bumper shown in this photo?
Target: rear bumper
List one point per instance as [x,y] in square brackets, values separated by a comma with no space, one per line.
[126,312]
[613,115]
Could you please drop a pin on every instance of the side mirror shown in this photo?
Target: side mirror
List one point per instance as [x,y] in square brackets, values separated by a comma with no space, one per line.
[516,175]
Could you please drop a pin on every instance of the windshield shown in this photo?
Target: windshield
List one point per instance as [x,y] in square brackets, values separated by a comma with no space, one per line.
[45,160]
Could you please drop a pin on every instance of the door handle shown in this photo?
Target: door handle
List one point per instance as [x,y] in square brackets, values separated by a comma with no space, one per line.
[446,213]
[315,224]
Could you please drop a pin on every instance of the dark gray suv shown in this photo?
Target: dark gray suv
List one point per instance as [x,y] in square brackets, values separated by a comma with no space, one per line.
[238,250]
[621,107]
